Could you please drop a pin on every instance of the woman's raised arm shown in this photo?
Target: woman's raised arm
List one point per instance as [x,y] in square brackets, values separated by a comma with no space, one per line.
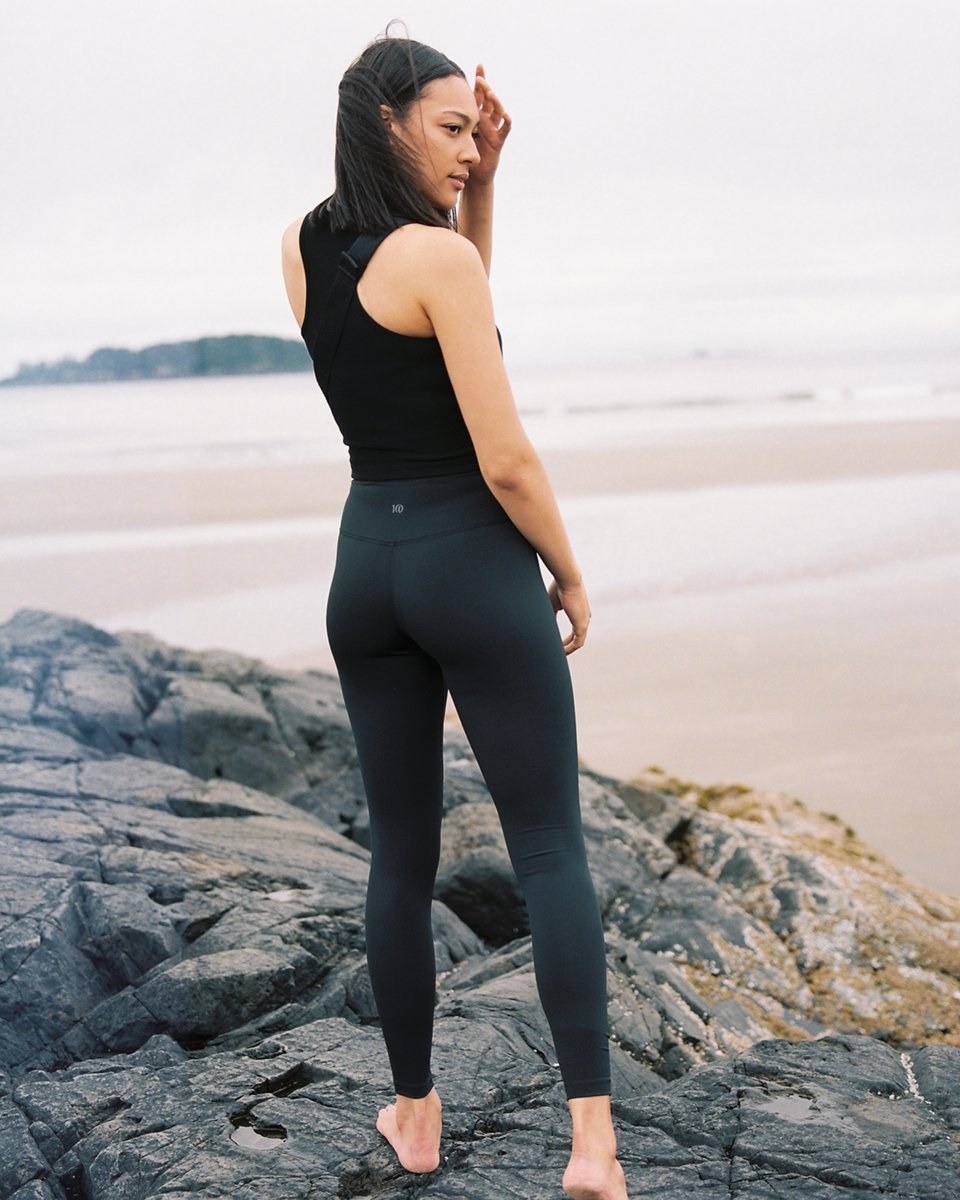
[475,217]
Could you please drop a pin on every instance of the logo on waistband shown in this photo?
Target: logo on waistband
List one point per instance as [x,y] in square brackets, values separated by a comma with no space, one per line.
[397,508]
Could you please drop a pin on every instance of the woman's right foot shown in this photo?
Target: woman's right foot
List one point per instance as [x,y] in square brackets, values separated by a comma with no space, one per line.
[412,1127]
[594,1179]
[593,1172]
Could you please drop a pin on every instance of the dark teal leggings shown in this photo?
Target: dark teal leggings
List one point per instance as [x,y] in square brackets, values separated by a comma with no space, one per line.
[435,589]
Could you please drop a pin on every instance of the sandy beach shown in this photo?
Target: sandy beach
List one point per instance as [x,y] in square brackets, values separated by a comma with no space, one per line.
[831,672]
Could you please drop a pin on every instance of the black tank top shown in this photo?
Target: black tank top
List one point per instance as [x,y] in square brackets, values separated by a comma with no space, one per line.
[390,394]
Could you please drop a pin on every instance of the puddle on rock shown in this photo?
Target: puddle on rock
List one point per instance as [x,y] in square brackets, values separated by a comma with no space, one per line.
[264,1137]
[793,1108]
[801,1108]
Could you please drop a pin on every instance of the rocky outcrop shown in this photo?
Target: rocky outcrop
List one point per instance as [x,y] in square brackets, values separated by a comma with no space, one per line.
[184,1005]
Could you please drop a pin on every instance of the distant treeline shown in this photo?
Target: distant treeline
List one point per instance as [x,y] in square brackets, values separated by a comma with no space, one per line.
[236,354]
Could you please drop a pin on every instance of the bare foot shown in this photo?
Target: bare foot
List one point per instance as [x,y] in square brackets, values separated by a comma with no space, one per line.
[587,1179]
[593,1172]
[412,1127]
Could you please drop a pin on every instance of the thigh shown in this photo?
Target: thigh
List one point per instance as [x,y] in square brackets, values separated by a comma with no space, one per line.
[395,697]
[484,614]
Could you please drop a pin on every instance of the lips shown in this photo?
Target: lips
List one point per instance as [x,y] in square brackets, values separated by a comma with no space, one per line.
[460,181]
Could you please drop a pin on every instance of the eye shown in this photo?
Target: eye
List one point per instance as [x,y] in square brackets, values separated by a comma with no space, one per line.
[453,128]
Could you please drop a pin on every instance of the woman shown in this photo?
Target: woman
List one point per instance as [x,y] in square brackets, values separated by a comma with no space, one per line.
[437,584]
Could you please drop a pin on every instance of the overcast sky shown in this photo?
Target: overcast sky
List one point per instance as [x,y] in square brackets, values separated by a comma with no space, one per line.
[671,159]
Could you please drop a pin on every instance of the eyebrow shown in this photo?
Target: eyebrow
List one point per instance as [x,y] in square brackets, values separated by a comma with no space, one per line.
[452,112]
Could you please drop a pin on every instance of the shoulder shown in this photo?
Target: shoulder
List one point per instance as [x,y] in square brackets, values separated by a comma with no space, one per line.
[294,275]
[435,246]
[290,242]
[435,258]
[443,274]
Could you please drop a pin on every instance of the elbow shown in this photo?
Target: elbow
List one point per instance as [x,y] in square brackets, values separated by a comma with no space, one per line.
[510,472]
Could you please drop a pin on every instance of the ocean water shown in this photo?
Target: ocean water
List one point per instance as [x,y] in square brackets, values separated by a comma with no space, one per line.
[155,424]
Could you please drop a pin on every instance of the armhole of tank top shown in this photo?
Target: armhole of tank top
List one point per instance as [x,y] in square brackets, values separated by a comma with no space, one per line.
[306,329]
[306,278]
[309,299]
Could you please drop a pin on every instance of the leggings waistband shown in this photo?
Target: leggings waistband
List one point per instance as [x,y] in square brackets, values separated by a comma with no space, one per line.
[404,510]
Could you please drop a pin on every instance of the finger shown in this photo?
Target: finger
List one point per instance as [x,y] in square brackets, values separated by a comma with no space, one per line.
[493,131]
[573,641]
[576,637]
[500,122]
[494,104]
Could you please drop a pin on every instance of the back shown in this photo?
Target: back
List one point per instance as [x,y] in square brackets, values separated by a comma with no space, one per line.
[390,394]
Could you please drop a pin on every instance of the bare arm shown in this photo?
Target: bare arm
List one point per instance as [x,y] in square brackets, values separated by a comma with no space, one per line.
[451,284]
[294,278]
[475,217]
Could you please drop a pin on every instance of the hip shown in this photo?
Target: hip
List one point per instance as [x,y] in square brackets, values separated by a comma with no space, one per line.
[407,510]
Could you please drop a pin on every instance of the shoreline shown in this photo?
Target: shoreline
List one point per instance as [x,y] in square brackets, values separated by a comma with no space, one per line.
[838,685]
[675,460]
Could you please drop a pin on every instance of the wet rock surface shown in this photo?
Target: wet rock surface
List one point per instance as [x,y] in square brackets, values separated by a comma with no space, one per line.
[185,1010]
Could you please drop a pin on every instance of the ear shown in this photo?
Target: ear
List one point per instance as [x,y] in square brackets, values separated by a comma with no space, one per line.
[386,115]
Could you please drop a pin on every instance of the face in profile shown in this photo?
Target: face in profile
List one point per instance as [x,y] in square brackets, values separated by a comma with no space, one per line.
[439,130]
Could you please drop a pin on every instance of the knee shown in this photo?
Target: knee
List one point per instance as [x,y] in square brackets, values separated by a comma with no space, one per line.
[556,854]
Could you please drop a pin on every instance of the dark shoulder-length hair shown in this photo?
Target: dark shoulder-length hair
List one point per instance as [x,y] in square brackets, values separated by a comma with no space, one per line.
[377,179]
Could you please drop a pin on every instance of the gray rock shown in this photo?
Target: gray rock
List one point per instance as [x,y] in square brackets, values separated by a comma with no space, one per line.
[185,1008]
[876,952]
[35,1190]
[813,1119]
[475,878]
[20,1158]
[934,1077]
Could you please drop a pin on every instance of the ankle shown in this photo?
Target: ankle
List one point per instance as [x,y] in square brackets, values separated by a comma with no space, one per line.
[422,1107]
[593,1132]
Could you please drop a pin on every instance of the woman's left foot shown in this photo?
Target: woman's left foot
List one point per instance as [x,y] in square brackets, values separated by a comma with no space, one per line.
[412,1127]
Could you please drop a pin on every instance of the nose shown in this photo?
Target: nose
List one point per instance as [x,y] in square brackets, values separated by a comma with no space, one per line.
[471,152]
